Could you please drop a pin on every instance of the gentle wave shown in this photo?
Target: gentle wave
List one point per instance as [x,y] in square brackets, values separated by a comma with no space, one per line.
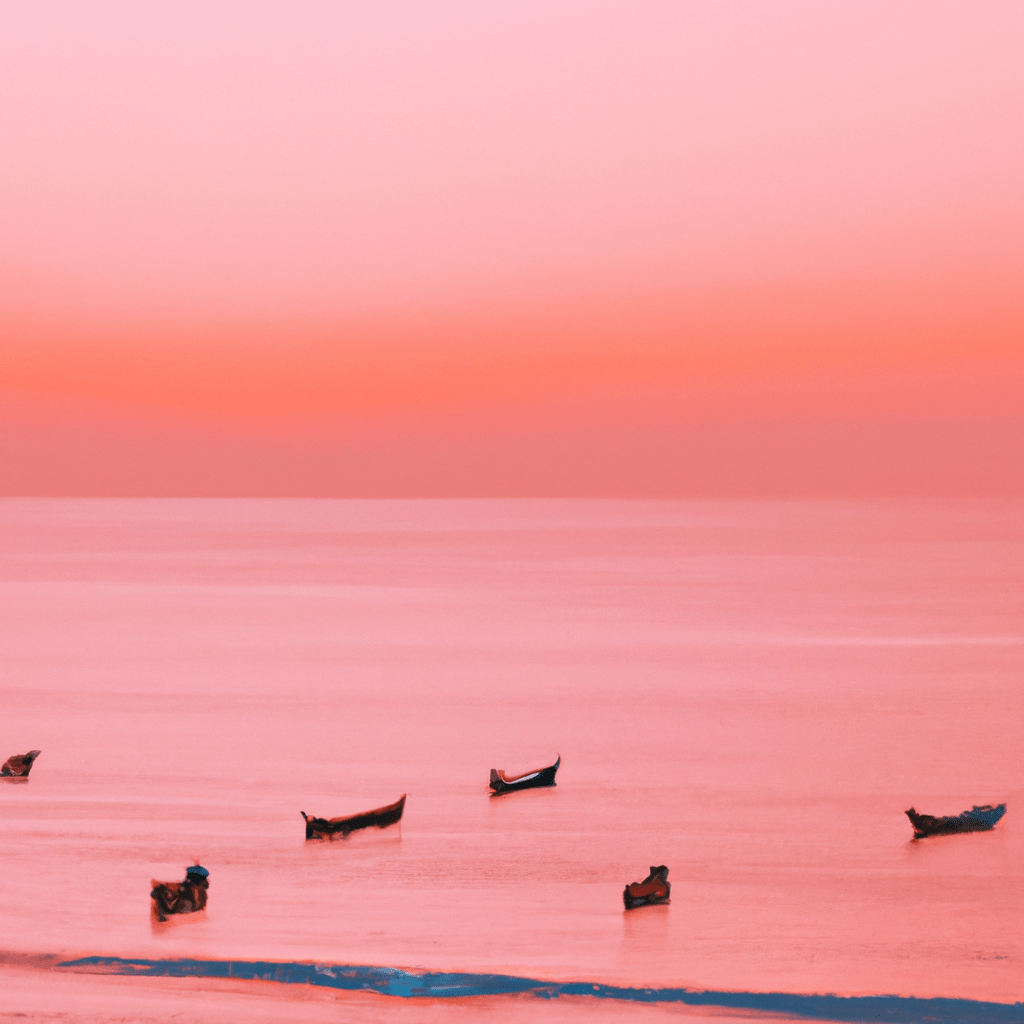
[392,981]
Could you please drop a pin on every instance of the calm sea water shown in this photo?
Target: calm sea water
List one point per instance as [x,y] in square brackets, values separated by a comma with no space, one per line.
[749,692]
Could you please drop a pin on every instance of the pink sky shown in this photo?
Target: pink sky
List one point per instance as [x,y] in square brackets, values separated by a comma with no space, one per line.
[310,231]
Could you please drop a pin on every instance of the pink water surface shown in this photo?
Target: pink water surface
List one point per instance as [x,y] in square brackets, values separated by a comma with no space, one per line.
[749,692]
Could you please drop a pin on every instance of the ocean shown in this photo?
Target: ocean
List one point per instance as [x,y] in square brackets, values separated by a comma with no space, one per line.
[750,692]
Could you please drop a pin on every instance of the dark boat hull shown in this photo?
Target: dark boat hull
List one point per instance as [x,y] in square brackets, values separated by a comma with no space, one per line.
[532,780]
[163,913]
[654,889]
[17,766]
[632,902]
[978,819]
[331,828]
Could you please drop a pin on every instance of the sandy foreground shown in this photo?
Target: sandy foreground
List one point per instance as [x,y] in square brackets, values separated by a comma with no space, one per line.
[29,995]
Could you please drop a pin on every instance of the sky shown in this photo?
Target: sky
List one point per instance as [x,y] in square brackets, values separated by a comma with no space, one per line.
[580,248]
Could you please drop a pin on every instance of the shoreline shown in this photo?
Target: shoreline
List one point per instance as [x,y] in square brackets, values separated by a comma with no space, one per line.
[390,985]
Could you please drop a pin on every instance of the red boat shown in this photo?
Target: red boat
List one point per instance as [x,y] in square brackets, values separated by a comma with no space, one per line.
[655,888]
[17,766]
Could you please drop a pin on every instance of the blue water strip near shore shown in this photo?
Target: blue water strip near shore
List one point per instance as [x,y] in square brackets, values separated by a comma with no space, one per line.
[392,981]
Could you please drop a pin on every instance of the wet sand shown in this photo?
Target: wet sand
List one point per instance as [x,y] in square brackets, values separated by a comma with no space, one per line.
[100,999]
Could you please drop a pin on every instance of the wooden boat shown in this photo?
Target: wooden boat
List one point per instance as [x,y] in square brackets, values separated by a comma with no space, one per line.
[330,828]
[655,888]
[177,916]
[977,819]
[18,766]
[502,783]
[168,900]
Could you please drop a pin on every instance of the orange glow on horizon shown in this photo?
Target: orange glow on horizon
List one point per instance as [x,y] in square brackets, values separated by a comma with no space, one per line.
[752,341]
[450,221]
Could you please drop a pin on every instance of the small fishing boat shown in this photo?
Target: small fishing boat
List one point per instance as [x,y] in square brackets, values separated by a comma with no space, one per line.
[502,783]
[655,888]
[330,828]
[977,819]
[17,766]
[178,898]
